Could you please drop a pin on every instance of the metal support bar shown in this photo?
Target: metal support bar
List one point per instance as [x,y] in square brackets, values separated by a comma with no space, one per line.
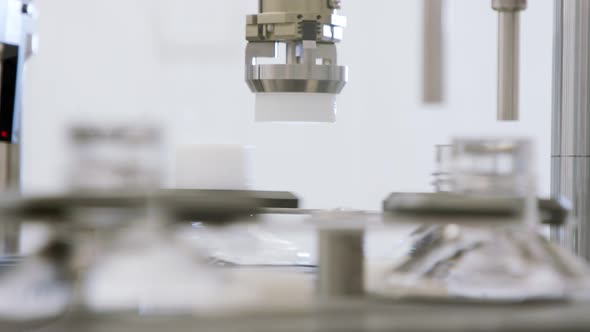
[508,66]
[433,74]
[508,57]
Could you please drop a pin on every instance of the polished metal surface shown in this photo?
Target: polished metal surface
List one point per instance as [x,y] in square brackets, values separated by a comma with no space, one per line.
[309,30]
[508,57]
[571,179]
[433,74]
[297,78]
[571,121]
[299,74]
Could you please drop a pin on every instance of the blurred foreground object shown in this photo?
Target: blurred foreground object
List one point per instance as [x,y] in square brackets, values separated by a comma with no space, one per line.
[40,287]
[482,241]
[115,157]
[227,168]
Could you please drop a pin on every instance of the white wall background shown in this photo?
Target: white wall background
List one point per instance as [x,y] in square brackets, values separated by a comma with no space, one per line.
[182,61]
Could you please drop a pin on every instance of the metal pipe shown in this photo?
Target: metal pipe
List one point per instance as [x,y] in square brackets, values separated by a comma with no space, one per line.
[508,66]
[570,174]
[508,57]
[433,53]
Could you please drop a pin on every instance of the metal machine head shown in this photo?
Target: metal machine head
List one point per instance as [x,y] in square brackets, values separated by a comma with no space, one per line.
[308,31]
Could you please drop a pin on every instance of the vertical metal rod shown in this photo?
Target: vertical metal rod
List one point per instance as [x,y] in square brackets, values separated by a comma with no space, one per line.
[571,120]
[508,57]
[557,232]
[433,53]
[508,65]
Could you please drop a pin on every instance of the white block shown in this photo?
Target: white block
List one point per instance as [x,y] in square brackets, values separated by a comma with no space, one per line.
[213,166]
[295,107]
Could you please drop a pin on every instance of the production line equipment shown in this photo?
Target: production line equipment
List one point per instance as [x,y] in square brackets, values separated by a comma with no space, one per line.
[303,79]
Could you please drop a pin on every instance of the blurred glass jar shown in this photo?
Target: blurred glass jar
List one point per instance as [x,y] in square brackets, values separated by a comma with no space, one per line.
[124,157]
[494,167]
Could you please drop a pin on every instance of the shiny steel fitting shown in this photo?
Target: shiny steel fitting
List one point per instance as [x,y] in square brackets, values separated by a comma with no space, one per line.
[309,30]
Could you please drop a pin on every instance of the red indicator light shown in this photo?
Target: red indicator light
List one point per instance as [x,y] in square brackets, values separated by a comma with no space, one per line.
[4,134]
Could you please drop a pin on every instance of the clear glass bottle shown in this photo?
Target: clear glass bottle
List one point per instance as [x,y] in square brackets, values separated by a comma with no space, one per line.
[494,167]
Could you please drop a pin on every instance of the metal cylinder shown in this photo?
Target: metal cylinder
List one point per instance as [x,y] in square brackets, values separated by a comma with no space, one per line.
[433,53]
[341,272]
[508,66]
[508,57]
[570,174]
